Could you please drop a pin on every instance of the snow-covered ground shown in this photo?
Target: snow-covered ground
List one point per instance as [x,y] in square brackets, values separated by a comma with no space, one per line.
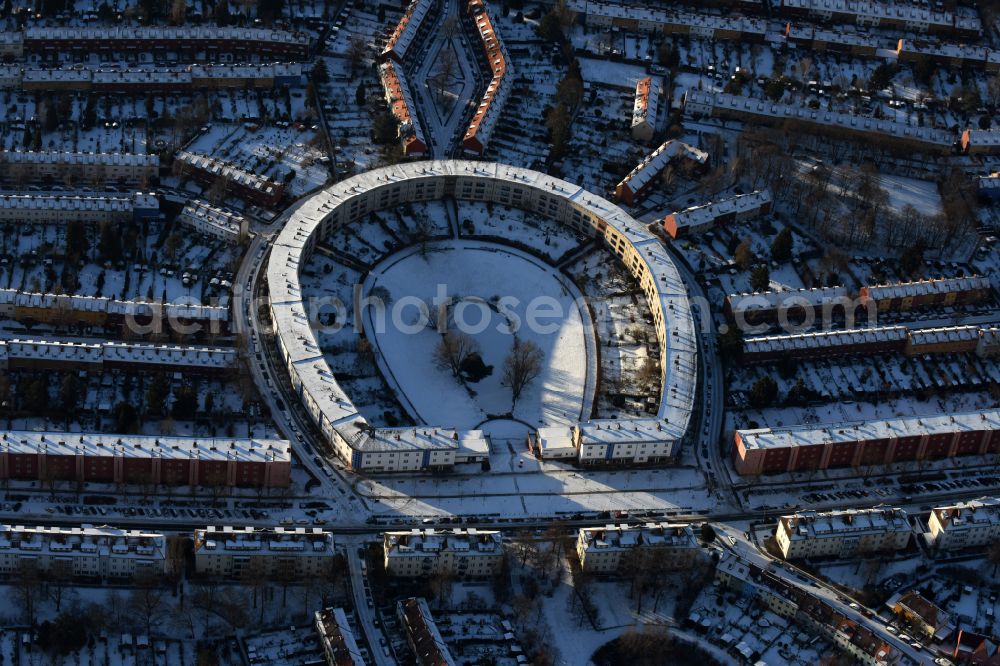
[504,295]
[294,153]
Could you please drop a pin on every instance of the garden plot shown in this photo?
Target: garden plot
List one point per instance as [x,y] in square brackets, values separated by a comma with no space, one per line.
[114,649]
[520,137]
[350,132]
[875,377]
[292,155]
[727,619]
[518,227]
[386,231]
[418,220]
[602,147]
[475,636]
[138,261]
[349,57]
[106,137]
[330,286]
[164,403]
[363,241]
[629,376]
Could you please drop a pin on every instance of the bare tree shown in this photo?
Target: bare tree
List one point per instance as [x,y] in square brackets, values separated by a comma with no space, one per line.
[441,585]
[637,645]
[453,350]
[178,12]
[445,70]
[356,51]
[26,589]
[255,577]
[59,575]
[521,367]
[524,546]
[993,555]
[148,602]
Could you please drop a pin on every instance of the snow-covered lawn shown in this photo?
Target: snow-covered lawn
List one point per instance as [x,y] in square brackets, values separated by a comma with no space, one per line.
[921,194]
[480,273]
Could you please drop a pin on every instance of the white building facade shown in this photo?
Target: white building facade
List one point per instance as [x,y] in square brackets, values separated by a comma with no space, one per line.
[606,549]
[82,552]
[965,525]
[237,552]
[842,533]
[464,553]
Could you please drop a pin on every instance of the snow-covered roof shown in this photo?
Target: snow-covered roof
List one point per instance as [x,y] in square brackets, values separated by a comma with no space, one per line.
[657,161]
[972,53]
[337,638]
[423,439]
[486,115]
[771,300]
[983,512]
[599,432]
[82,159]
[649,535]
[990,182]
[806,33]
[406,30]
[279,541]
[926,287]
[83,540]
[197,211]
[217,358]
[808,525]
[431,543]
[400,101]
[775,110]
[61,75]
[182,75]
[870,11]
[423,632]
[145,446]
[179,310]
[223,169]
[329,404]
[55,201]
[977,137]
[944,334]
[695,22]
[203,357]
[875,429]
[555,439]
[705,214]
[647,97]
[78,303]
[823,339]
[206,33]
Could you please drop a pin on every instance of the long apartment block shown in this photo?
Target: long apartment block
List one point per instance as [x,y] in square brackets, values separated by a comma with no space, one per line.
[101,311]
[82,552]
[64,166]
[127,356]
[662,545]
[842,533]
[280,552]
[144,459]
[861,443]
[458,552]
